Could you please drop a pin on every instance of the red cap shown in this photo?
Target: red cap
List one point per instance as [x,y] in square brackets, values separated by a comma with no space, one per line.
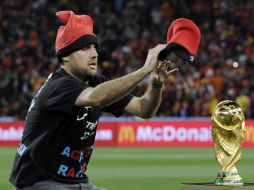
[74,28]
[183,35]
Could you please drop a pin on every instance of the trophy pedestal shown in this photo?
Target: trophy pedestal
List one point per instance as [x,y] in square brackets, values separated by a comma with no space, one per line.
[212,186]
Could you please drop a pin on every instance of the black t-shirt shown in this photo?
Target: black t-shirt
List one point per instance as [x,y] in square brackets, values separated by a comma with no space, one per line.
[58,138]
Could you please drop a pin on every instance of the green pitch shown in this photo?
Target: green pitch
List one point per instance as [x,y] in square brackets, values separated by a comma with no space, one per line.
[146,168]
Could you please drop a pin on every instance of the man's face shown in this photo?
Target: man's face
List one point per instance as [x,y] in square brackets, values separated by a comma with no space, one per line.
[83,62]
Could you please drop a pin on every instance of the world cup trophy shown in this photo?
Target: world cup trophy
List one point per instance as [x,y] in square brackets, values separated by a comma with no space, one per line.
[228,129]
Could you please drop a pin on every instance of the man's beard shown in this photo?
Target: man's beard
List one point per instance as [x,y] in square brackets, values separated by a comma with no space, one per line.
[85,75]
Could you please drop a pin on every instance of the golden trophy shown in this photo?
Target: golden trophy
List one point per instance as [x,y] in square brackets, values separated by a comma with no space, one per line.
[228,129]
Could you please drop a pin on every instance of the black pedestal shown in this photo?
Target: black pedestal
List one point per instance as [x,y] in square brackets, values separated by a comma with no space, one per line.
[212,186]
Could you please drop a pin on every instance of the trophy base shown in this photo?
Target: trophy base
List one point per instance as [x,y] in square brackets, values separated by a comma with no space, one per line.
[212,186]
[228,178]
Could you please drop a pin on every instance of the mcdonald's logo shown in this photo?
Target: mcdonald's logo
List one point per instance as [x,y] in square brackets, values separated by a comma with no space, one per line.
[126,134]
[249,135]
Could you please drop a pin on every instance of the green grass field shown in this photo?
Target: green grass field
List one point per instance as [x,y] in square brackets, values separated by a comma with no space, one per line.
[146,168]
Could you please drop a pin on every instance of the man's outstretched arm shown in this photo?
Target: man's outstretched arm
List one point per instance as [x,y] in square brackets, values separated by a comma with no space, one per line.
[110,91]
[147,105]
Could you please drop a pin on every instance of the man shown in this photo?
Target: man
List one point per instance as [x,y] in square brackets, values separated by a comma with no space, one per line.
[61,123]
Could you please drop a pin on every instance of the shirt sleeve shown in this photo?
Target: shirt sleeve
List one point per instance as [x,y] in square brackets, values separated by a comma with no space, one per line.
[63,95]
[117,107]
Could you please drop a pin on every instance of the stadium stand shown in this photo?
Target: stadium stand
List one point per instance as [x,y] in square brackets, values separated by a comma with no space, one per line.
[222,70]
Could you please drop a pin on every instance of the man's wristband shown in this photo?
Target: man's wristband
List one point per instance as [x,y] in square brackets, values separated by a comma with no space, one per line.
[156,84]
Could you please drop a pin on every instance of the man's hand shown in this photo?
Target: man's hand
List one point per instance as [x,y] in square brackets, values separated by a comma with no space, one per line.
[152,57]
[162,72]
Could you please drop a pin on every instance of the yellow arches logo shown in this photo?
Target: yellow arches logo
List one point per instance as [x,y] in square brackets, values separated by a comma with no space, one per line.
[126,134]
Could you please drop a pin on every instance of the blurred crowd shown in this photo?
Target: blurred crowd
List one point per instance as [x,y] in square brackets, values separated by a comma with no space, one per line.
[126,29]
